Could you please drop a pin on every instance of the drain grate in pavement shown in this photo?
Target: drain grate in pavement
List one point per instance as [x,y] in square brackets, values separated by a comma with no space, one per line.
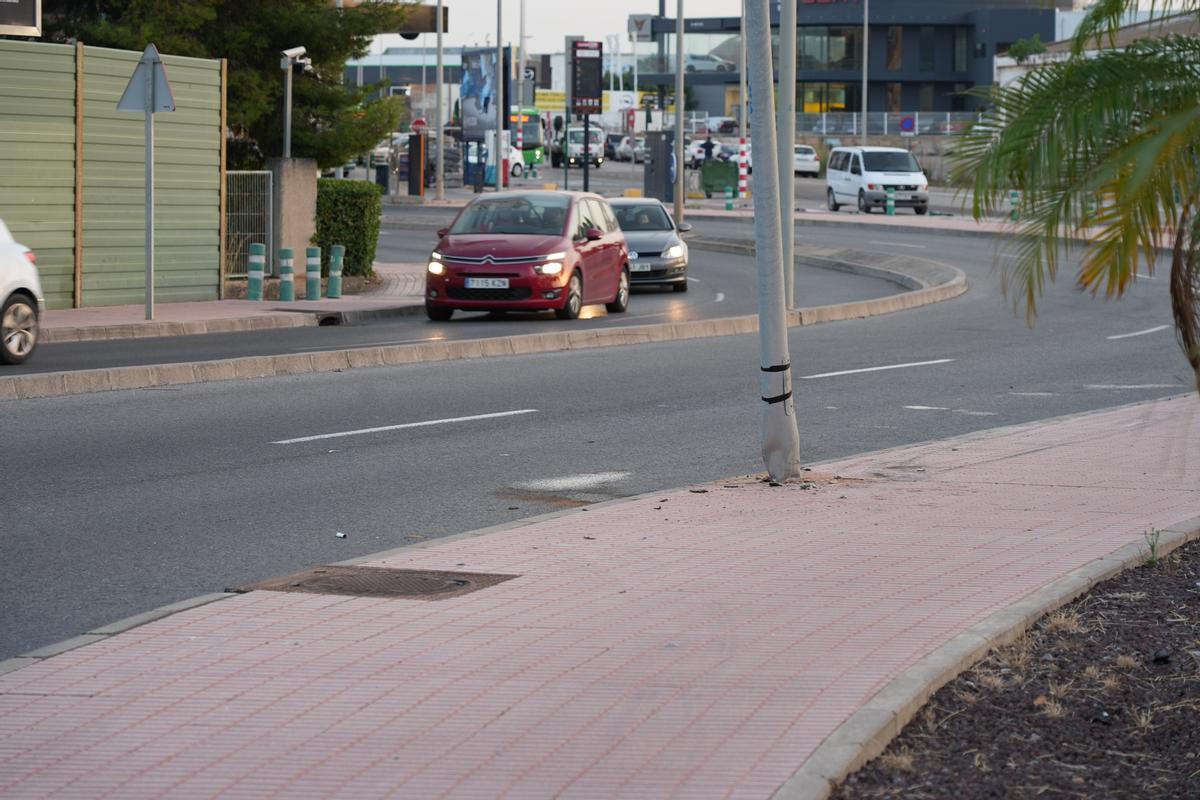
[415,584]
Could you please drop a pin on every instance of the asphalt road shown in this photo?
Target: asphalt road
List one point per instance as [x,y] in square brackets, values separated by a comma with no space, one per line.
[721,285]
[119,502]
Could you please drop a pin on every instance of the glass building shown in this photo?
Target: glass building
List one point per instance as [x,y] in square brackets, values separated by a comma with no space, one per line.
[923,54]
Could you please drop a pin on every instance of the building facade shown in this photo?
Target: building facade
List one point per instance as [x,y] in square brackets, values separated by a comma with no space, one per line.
[922,54]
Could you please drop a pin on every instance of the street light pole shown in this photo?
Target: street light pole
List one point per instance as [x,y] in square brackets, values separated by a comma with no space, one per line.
[287,110]
[520,104]
[440,145]
[500,100]
[787,141]
[780,437]
[679,163]
[866,42]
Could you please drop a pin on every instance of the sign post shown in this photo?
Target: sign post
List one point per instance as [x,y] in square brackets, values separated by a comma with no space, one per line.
[587,93]
[149,91]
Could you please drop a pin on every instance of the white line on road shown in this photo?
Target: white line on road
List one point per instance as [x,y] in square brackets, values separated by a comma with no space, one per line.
[720,297]
[1132,386]
[573,483]
[927,408]
[1144,276]
[876,369]
[1139,333]
[1032,394]
[422,424]
[954,411]
[693,280]
[901,244]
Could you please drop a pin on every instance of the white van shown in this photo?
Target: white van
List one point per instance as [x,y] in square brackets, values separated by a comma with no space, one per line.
[863,175]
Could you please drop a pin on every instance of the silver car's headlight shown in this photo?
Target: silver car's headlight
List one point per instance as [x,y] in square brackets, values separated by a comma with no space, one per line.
[674,251]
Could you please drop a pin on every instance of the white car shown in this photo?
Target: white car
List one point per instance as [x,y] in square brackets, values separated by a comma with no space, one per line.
[625,150]
[805,161]
[706,63]
[21,298]
[516,162]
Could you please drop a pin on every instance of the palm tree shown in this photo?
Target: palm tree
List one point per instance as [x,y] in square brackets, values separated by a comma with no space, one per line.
[1105,148]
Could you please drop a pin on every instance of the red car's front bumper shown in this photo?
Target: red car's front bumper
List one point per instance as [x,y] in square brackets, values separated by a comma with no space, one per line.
[526,290]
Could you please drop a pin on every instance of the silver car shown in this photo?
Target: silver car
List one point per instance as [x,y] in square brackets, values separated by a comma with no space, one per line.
[657,255]
[21,300]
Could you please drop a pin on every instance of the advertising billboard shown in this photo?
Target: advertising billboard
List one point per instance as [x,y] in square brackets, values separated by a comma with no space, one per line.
[20,17]
[482,88]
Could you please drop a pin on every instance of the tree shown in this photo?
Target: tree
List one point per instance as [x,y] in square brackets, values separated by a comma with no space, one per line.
[1022,49]
[1104,147]
[331,122]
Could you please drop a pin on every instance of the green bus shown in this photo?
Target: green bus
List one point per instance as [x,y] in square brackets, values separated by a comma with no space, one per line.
[532,133]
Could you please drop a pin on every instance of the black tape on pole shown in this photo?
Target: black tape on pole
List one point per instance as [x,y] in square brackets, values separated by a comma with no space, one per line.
[780,397]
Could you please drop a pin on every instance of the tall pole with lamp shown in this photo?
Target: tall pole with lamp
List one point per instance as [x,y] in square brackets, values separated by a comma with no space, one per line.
[787,141]
[743,122]
[866,41]
[520,104]
[499,100]
[679,112]
[440,145]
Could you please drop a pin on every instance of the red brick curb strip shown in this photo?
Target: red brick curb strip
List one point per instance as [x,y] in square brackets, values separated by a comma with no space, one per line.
[869,730]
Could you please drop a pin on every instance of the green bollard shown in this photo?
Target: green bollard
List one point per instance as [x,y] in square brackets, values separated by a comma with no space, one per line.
[287,280]
[891,201]
[1014,199]
[312,273]
[336,253]
[729,198]
[256,268]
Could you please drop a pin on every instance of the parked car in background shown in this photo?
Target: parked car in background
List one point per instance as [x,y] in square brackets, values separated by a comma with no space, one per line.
[529,251]
[21,299]
[728,126]
[639,150]
[611,142]
[657,255]
[706,63]
[625,150]
[864,175]
[805,161]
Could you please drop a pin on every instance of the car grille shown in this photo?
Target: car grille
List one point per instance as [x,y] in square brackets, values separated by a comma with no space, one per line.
[519,293]
[488,259]
[648,276]
[648,254]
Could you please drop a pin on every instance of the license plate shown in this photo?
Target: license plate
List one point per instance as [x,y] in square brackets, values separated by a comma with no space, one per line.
[903,196]
[635,267]
[487,283]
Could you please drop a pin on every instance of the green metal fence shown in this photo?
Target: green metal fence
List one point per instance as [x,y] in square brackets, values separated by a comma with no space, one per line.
[71,183]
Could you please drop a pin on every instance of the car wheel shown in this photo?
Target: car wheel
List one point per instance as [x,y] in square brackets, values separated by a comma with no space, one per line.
[621,301]
[681,287]
[921,209]
[517,170]
[573,303]
[18,329]
[862,202]
[437,313]
[831,200]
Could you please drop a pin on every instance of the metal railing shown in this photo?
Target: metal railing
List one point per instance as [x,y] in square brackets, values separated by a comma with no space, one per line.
[886,123]
[247,219]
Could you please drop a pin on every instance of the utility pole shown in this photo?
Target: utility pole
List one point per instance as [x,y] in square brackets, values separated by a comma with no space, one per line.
[866,42]
[520,104]
[500,101]
[679,163]
[787,140]
[440,111]
[780,437]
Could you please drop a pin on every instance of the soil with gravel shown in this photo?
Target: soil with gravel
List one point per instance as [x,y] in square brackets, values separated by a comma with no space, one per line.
[1100,699]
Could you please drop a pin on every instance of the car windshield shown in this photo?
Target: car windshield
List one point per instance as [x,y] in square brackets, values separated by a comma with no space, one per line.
[576,137]
[522,214]
[642,217]
[890,162]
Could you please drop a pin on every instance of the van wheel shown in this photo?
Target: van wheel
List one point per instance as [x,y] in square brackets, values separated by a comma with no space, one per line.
[862,202]
[921,209]
[831,200]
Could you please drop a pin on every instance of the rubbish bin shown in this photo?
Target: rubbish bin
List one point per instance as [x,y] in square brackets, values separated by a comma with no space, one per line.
[716,176]
[381,176]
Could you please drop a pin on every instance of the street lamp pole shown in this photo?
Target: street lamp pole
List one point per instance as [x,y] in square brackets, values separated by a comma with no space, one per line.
[780,437]
[679,164]
[520,104]
[500,100]
[287,110]
[866,42]
[440,145]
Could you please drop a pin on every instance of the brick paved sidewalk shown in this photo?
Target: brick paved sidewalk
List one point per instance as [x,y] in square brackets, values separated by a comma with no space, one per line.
[685,644]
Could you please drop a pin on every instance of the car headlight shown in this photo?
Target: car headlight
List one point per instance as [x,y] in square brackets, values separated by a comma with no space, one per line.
[674,251]
[437,268]
[549,268]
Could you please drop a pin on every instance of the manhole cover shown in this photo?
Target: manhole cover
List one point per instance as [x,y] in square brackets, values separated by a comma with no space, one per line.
[416,584]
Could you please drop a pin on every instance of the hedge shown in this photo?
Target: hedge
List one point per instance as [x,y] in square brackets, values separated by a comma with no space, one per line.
[348,214]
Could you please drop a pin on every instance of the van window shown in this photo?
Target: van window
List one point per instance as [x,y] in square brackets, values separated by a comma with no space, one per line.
[891,162]
[837,162]
[856,165]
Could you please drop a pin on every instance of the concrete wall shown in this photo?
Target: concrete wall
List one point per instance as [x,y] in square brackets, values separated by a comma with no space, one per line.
[294,190]
[72,174]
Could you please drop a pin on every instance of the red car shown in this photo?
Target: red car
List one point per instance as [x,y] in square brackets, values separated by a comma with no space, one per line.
[529,251]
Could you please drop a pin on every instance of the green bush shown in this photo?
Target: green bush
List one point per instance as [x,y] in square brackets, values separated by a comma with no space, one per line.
[348,214]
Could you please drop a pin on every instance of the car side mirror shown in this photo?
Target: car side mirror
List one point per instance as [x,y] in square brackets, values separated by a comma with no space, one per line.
[441,232]
[683,227]
[593,234]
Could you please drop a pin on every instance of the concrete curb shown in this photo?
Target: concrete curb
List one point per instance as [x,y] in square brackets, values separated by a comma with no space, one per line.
[869,730]
[929,282]
[149,330]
